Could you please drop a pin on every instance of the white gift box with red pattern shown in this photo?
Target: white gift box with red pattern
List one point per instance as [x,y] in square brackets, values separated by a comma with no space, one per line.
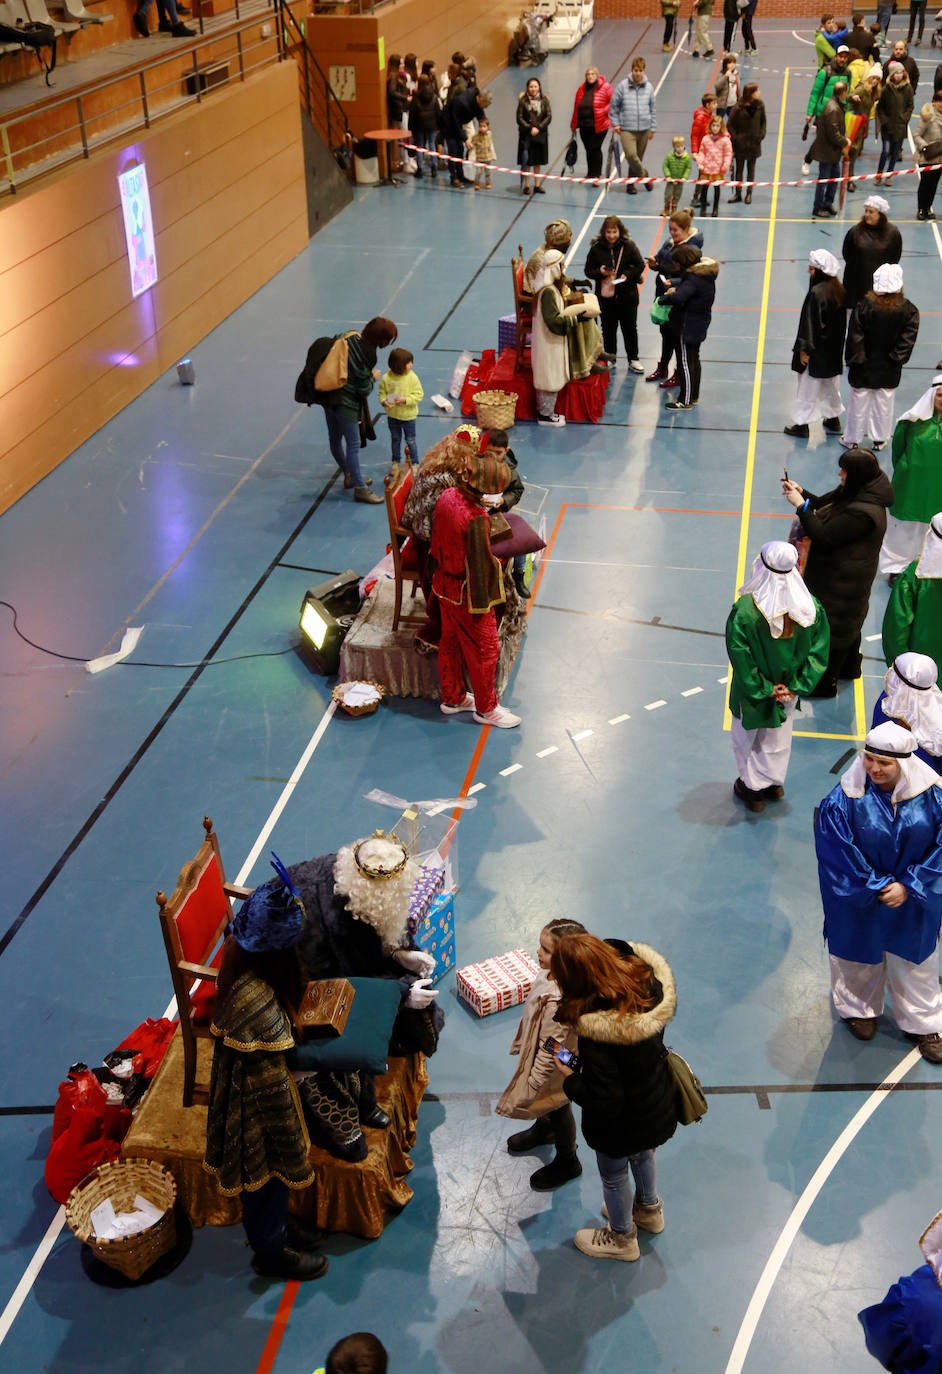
[495,984]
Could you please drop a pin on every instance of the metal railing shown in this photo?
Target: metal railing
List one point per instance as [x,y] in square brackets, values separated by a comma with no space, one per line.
[327,113]
[67,128]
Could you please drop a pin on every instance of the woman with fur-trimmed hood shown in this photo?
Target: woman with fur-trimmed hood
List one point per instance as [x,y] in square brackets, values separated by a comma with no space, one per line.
[619,998]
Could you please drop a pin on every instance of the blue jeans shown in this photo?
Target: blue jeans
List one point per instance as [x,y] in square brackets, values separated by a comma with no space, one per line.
[617,1190]
[884,15]
[890,153]
[426,140]
[399,430]
[824,195]
[343,433]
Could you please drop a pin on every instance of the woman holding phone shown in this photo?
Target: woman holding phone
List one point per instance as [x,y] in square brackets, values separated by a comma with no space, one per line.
[619,998]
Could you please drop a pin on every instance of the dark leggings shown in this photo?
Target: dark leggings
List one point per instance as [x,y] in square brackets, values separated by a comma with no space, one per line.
[748,37]
[728,30]
[747,164]
[670,346]
[593,143]
[925,193]
[669,21]
[623,311]
[563,1125]
[689,372]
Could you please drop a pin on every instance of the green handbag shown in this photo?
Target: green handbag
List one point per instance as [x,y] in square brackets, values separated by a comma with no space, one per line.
[661,310]
[688,1090]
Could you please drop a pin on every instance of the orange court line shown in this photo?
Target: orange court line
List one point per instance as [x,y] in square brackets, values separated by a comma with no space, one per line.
[278,1327]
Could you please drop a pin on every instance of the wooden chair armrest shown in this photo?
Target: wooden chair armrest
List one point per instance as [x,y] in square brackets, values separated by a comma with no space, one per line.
[234,890]
[198,970]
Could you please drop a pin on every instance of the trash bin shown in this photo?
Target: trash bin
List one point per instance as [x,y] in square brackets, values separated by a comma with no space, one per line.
[365,162]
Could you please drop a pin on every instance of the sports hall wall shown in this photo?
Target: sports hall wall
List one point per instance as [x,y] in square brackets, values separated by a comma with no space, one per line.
[767,9]
[229,207]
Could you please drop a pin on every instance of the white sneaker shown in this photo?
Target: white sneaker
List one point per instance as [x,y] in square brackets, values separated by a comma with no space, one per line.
[465,704]
[554,421]
[500,716]
[608,1244]
[634,365]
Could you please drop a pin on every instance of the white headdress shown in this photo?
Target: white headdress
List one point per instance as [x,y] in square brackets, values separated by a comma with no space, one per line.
[877,203]
[913,696]
[550,269]
[777,588]
[888,279]
[375,877]
[924,407]
[891,741]
[930,560]
[824,261]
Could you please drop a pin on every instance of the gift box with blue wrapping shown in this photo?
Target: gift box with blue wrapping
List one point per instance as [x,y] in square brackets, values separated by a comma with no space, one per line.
[435,934]
[506,333]
[430,882]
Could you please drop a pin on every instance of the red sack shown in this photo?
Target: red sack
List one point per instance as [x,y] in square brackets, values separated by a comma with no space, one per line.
[149,1041]
[91,1137]
[80,1089]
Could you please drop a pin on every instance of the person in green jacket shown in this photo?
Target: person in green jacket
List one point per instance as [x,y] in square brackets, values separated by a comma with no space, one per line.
[349,404]
[917,480]
[778,641]
[913,619]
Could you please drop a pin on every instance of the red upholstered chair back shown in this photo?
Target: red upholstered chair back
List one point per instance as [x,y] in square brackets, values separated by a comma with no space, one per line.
[400,494]
[398,485]
[194,921]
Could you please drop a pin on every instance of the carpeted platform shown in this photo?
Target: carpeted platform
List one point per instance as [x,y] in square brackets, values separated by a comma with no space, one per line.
[353,1198]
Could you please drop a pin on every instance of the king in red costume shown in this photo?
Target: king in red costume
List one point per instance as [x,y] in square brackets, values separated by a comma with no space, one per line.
[468,582]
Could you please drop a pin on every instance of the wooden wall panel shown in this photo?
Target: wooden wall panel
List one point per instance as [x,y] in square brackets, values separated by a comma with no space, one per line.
[227,191]
[479,28]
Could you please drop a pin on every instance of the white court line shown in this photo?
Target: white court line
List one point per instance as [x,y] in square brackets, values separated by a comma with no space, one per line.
[617,720]
[871,638]
[478,787]
[803,1206]
[809,41]
[691,691]
[31,1272]
[600,198]
[544,752]
[653,705]
[581,734]
[722,680]
[513,768]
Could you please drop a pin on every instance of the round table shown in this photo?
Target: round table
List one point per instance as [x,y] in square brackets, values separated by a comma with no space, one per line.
[382,138]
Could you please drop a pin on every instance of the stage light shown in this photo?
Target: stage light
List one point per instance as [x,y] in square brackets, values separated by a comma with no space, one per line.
[186,372]
[326,614]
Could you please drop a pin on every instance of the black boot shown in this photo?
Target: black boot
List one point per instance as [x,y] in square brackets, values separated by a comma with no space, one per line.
[540,1133]
[748,197]
[553,1175]
[303,1236]
[716,202]
[290,1264]
[520,582]
[833,424]
[736,198]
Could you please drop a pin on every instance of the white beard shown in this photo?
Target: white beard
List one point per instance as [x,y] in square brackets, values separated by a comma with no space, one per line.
[382,903]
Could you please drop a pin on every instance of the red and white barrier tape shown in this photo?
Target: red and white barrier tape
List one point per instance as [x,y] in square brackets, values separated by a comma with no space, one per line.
[655,181]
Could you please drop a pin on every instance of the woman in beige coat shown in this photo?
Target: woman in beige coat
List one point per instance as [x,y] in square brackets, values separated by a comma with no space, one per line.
[535,1093]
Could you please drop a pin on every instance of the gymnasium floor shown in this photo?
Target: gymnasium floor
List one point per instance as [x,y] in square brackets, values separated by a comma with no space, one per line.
[203,514]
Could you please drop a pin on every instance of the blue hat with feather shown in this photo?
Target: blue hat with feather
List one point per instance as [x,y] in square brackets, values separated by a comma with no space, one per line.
[272,917]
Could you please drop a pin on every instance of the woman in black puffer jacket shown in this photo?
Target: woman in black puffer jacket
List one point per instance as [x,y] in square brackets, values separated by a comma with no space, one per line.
[845,528]
[619,998]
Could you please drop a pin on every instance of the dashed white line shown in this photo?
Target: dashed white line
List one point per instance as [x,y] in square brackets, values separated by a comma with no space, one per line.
[691,691]
[723,679]
[617,720]
[478,787]
[581,734]
[653,705]
[553,749]
[514,768]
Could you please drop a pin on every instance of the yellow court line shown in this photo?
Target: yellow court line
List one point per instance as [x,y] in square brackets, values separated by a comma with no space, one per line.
[757,376]
[811,734]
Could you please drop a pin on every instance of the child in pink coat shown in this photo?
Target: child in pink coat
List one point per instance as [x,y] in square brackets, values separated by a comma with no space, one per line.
[714,159]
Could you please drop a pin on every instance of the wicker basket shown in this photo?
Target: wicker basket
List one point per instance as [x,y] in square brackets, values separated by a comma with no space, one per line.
[368,708]
[496,409]
[121,1181]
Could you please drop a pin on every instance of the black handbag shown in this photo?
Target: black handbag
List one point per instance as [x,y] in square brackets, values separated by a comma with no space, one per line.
[35,36]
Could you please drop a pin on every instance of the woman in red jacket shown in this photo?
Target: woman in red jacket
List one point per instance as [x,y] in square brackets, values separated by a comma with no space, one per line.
[590,117]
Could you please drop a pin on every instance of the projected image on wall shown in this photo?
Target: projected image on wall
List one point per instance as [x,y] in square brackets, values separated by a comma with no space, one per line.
[138,228]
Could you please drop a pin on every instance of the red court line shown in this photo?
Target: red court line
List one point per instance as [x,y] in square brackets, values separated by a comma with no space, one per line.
[278,1327]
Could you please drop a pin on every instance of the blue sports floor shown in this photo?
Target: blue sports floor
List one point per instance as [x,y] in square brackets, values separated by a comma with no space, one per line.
[203,514]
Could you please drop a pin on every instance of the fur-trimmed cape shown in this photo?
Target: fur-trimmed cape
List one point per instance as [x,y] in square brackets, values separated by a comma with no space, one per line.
[623,1084]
